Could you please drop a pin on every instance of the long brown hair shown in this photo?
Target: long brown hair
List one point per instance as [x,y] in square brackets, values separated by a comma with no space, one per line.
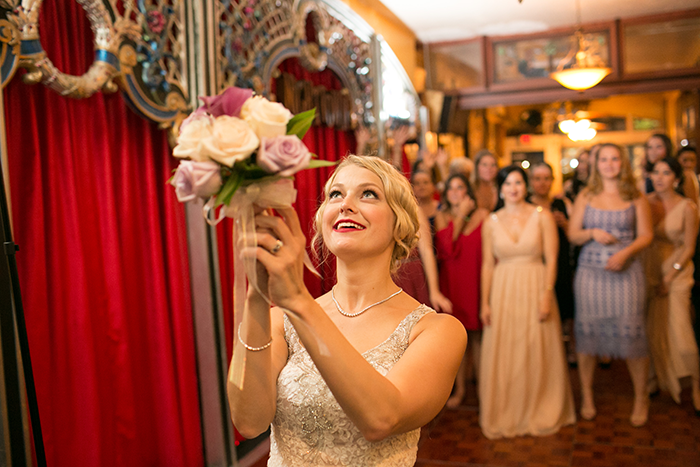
[479,156]
[626,182]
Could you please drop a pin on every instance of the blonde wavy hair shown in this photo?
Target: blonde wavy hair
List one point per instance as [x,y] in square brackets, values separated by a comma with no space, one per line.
[626,181]
[399,196]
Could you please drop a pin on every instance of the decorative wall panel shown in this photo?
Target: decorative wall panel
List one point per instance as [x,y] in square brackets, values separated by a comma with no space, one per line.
[255,36]
[138,49]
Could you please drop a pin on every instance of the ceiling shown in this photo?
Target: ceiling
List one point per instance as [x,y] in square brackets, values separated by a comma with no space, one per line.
[445,20]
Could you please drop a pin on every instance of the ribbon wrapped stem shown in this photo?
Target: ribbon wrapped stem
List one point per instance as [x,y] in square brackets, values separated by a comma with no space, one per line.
[277,193]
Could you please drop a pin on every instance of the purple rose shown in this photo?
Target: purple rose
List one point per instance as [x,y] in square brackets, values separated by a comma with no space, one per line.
[196,179]
[283,155]
[227,103]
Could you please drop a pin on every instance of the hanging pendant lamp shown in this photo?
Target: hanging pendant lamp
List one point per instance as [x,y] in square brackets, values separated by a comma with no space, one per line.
[587,70]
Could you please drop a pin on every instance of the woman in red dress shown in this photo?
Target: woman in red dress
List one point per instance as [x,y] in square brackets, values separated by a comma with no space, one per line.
[458,244]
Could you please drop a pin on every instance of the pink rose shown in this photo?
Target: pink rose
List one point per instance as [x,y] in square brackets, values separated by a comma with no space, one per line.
[228,103]
[156,21]
[283,155]
[196,179]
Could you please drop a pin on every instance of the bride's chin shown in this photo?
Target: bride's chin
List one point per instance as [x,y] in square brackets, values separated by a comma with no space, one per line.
[351,254]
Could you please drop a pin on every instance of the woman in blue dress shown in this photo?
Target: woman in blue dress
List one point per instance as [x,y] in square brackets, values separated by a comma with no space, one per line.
[612,220]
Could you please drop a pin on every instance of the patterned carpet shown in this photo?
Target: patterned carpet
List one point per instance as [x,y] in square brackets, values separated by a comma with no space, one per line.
[671,438]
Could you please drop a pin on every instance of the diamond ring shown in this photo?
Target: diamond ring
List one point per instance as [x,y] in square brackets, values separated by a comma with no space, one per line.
[277,247]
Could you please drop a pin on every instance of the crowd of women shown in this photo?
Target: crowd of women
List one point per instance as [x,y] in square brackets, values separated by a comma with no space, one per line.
[349,378]
[603,270]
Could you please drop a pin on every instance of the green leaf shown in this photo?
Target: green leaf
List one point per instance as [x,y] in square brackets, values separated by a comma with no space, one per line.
[169,181]
[227,191]
[249,170]
[300,123]
[316,163]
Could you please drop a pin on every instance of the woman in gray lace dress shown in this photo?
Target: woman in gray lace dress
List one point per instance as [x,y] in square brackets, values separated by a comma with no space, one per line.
[348,378]
[612,220]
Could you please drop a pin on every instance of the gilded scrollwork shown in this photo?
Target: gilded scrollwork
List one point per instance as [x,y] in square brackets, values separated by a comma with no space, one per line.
[254,37]
[248,33]
[311,17]
[138,48]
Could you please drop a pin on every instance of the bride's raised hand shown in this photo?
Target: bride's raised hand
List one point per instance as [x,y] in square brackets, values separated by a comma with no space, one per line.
[281,247]
[260,292]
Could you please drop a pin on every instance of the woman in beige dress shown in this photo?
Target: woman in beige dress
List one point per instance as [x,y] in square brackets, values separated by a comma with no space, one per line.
[673,348]
[524,386]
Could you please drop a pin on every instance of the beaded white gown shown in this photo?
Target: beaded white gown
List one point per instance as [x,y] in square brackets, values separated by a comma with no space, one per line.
[311,429]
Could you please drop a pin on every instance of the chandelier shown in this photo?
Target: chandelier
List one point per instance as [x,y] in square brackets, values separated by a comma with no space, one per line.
[588,68]
[577,130]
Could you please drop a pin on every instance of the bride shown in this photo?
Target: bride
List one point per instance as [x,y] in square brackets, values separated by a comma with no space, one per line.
[348,378]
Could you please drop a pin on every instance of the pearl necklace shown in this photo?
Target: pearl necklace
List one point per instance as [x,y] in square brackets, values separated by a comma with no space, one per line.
[352,315]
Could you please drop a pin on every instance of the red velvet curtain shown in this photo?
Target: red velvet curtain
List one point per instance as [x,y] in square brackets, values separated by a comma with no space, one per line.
[103,269]
[329,144]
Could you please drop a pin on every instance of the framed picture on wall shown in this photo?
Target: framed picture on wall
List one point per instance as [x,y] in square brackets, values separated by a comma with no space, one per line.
[526,61]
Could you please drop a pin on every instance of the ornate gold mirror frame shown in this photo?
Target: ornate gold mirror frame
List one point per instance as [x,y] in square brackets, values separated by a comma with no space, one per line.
[139,51]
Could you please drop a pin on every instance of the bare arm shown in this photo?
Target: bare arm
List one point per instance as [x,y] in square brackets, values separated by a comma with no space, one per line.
[442,160]
[690,233]
[362,137]
[253,407]
[689,189]
[551,252]
[441,221]
[645,232]
[401,135]
[410,395]
[645,235]
[487,265]
[427,256]
[577,234]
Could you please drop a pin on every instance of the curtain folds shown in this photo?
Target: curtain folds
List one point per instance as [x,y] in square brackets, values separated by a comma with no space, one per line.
[103,268]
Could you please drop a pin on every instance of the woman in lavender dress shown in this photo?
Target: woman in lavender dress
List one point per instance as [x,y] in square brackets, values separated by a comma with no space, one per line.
[612,220]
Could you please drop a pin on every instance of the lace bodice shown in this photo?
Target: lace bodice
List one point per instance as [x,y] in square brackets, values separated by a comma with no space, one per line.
[311,429]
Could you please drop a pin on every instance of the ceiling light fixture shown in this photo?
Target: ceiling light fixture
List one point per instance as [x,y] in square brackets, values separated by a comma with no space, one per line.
[577,130]
[587,69]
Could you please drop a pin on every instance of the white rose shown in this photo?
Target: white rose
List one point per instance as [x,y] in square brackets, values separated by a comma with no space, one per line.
[268,119]
[189,142]
[231,140]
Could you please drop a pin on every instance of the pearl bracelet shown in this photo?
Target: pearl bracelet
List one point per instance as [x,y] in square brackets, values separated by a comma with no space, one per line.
[253,349]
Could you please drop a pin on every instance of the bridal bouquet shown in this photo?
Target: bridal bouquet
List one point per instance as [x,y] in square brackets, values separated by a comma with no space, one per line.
[237,140]
[241,151]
